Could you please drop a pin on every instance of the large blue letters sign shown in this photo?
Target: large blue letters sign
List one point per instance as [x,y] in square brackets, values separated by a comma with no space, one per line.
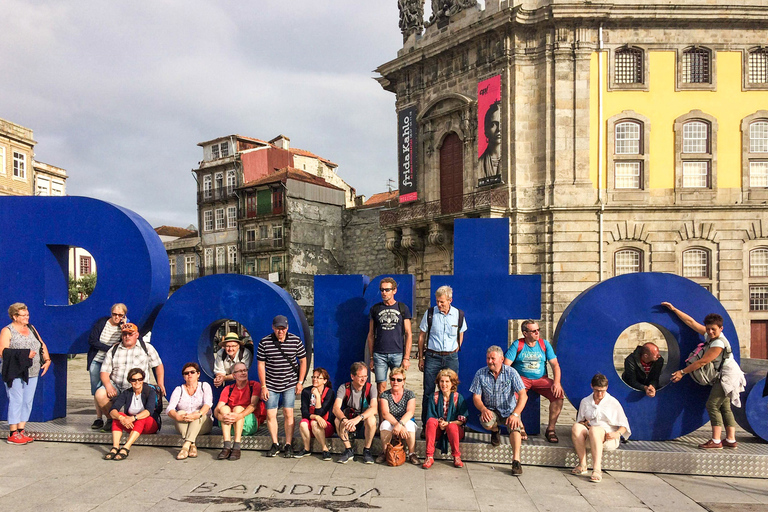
[592,323]
[132,268]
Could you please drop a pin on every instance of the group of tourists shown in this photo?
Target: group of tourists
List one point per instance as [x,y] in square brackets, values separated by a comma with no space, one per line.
[120,362]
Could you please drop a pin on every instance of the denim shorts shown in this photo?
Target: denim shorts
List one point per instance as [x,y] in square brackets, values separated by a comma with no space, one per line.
[287,397]
[94,370]
[382,363]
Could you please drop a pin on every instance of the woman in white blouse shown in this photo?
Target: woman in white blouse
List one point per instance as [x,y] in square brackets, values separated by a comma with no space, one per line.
[599,426]
[190,409]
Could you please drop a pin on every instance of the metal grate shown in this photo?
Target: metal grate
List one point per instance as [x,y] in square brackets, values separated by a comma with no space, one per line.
[758,298]
[696,66]
[758,66]
[628,68]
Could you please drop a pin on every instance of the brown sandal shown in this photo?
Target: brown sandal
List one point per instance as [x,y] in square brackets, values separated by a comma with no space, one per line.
[523,434]
[551,435]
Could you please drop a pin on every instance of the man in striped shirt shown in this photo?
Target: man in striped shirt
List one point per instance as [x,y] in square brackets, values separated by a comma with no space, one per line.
[282,362]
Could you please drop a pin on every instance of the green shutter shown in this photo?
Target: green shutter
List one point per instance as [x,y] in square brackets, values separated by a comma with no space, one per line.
[264,202]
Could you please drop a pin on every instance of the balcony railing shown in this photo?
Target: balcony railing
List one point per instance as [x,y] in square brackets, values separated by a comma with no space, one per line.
[219,269]
[215,194]
[265,244]
[425,211]
[182,279]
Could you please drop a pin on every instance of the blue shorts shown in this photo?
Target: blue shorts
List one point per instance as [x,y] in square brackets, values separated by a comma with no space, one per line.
[382,363]
[287,397]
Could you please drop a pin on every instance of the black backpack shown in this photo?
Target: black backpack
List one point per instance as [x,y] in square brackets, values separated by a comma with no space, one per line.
[431,312]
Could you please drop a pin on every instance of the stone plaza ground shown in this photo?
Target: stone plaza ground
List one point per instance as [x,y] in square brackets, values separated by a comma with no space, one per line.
[67,476]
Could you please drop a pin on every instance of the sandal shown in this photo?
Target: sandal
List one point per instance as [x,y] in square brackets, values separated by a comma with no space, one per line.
[597,476]
[523,434]
[579,471]
[183,454]
[551,435]
[122,453]
[111,454]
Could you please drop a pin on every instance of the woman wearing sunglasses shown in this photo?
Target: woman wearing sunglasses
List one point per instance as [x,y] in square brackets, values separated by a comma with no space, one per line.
[397,406]
[316,404]
[105,334]
[190,409]
[133,411]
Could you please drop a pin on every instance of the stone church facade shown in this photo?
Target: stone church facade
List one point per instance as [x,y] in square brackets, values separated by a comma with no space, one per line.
[633,137]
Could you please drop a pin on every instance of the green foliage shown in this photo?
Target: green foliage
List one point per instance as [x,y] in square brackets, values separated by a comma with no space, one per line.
[80,289]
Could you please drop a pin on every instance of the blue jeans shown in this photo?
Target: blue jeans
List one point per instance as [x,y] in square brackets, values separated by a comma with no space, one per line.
[20,397]
[94,370]
[382,363]
[432,366]
[288,398]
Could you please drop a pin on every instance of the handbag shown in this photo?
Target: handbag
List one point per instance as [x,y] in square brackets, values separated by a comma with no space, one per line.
[394,452]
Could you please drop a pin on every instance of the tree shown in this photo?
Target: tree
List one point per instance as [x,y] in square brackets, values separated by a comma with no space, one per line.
[80,289]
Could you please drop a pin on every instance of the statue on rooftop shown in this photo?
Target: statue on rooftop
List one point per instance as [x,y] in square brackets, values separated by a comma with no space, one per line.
[444,9]
[411,17]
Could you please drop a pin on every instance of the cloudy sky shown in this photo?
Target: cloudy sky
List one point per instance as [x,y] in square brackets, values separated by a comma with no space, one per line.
[119,93]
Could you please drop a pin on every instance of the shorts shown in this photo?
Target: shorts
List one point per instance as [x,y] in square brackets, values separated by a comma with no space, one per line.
[542,386]
[250,425]
[410,426]
[287,397]
[382,363]
[95,372]
[329,428]
[498,420]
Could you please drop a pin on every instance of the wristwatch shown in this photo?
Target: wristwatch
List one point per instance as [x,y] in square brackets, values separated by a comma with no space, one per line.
[516,415]
[134,418]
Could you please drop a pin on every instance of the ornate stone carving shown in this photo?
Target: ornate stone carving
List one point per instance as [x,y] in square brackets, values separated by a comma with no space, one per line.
[444,9]
[440,237]
[412,242]
[411,17]
[393,245]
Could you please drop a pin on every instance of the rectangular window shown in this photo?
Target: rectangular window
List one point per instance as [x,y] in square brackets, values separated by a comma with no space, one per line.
[627,139]
[221,259]
[758,174]
[224,149]
[208,260]
[264,202]
[277,235]
[695,263]
[214,151]
[218,183]
[758,67]
[207,184]
[263,231]
[189,265]
[277,264]
[19,165]
[628,66]
[172,265]
[231,182]
[219,218]
[758,298]
[695,174]
[277,201]
[758,263]
[627,174]
[695,137]
[57,188]
[250,240]
[758,137]
[231,217]
[696,64]
[208,220]
[626,262]
[85,265]
[232,258]
[43,187]
[263,265]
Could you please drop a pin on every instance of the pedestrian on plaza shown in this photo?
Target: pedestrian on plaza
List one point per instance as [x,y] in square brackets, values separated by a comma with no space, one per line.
[282,368]
[190,408]
[105,334]
[642,369]
[25,358]
[316,404]
[132,352]
[446,418]
[600,425]
[728,384]
[134,411]
[356,403]
[232,350]
[529,356]
[442,333]
[397,407]
[493,393]
[237,412]
[389,334]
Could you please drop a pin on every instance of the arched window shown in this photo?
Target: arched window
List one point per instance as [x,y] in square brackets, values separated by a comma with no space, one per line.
[627,261]
[695,137]
[628,66]
[697,63]
[758,262]
[451,174]
[628,138]
[696,263]
[695,149]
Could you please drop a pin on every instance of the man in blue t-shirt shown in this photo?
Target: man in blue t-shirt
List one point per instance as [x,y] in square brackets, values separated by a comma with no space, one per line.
[389,334]
[529,356]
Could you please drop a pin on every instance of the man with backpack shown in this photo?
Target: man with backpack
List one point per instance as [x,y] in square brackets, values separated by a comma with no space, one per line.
[130,353]
[236,411]
[389,334]
[282,362]
[529,356]
[442,333]
[355,411]
[233,350]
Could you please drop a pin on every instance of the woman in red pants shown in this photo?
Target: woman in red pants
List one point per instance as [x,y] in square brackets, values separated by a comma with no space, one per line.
[446,416]
[133,411]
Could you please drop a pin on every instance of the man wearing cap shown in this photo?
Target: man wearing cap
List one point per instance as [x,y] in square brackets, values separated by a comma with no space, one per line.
[282,361]
[232,350]
[129,353]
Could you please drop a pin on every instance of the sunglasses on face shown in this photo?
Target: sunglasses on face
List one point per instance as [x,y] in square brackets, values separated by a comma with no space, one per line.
[138,379]
[394,379]
[385,289]
[118,315]
[532,330]
[191,372]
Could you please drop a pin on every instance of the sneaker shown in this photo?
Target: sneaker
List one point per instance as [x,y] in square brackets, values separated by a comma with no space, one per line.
[97,424]
[457,463]
[288,451]
[367,457]
[428,462]
[327,455]
[728,444]
[495,438]
[517,468]
[347,456]
[15,438]
[711,445]
[414,459]
[107,426]
[24,436]
[273,450]
[301,453]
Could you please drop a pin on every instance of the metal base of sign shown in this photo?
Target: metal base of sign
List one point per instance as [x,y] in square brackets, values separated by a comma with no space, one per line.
[680,456]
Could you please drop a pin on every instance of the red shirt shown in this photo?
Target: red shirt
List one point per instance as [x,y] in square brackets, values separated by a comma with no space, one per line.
[241,397]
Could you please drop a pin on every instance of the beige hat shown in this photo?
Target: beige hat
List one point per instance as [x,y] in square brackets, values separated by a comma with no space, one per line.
[232,336]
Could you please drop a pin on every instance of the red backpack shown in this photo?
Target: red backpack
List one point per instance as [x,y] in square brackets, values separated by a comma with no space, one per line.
[521,344]
[349,411]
